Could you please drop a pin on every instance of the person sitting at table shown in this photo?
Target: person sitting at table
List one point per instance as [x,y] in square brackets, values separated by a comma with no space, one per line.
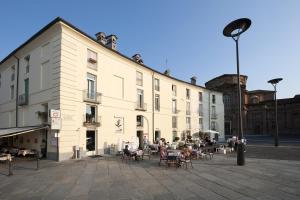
[128,153]
[185,153]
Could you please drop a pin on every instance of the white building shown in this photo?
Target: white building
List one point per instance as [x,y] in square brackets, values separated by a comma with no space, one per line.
[103,96]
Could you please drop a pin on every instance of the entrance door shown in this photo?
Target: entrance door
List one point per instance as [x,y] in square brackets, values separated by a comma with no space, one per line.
[140,135]
[90,143]
[157,135]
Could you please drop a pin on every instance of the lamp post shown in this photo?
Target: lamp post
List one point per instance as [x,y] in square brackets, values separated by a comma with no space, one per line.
[234,29]
[274,83]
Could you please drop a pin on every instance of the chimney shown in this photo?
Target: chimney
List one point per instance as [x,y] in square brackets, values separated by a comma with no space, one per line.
[137,58]
[111,41]
[167,72]
[194,80]
[101,38]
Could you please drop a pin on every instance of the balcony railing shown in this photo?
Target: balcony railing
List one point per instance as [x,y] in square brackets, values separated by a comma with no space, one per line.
[90,120]
[23,99]
[214,116]
[92,97]
[141,106]
[188,112]
[200,113]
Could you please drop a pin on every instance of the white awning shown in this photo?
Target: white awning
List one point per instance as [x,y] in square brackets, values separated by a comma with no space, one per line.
[8,132]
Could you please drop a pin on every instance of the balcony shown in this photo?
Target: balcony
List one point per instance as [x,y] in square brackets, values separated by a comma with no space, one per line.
[188,112]
[92,97]
[23,99]
[141,106]
[92,121]
[200,114]
[214,116]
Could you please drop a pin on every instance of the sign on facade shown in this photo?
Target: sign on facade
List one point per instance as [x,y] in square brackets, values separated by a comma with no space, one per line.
[55,123]
[54,113]
[55,119]
[119,124]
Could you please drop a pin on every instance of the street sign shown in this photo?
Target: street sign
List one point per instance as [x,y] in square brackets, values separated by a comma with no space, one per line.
[55,123]
[54,113]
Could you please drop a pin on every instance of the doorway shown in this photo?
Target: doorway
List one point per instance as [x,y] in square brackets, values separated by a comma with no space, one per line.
[140,135]
[157,135]
[90,143]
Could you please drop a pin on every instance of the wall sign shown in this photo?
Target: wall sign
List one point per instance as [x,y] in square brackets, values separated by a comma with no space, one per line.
[119,124]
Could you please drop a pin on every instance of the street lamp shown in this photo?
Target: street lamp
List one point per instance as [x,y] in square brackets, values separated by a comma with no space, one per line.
[234,29]
[274,83]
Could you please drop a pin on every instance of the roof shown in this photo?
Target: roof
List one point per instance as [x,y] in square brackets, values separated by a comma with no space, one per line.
[8,132]
[225,75]
[59,19]
[260,91]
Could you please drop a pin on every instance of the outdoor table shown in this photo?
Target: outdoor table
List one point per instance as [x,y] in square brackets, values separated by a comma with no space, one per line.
[173,158]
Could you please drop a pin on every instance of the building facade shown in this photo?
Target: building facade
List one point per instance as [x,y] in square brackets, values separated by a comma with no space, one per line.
[258,108]
[104,97]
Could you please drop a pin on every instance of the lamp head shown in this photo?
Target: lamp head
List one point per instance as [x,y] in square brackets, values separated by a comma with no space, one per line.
[236,27]
[275,80]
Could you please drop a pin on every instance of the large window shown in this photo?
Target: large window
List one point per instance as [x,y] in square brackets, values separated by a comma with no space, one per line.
[174,122]
[157,102]
[26,83]
[213,125]
[226,99]
[92,58]
[139,121]
[200,110]
[213,99]
[27,62]
[140,98]
[91,114]
[91,86]
[188,123]
[12,77]
[12,92]
[188,108]
[174,90]
[200,96]
[139,78]
[213,112]
[174,106]
[156,84]
[200,124]
[188,94]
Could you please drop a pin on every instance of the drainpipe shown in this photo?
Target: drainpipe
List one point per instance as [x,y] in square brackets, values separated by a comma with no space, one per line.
[209,117]
[17,91]
[153,103]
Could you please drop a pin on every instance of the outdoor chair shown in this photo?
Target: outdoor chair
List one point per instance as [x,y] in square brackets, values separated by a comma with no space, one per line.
[126,158]
[185,161]
[146,153]
[163,156]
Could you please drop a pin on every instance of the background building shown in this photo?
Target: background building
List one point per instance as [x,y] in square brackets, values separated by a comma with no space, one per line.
[258,108]
[104,97]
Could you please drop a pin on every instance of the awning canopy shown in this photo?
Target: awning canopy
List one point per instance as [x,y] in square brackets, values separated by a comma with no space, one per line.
[8,132]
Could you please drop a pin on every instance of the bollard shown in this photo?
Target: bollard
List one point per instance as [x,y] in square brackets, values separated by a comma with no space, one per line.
[10,173]
[37,161]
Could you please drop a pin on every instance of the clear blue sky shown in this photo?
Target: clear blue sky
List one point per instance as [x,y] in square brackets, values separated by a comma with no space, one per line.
[186,33]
